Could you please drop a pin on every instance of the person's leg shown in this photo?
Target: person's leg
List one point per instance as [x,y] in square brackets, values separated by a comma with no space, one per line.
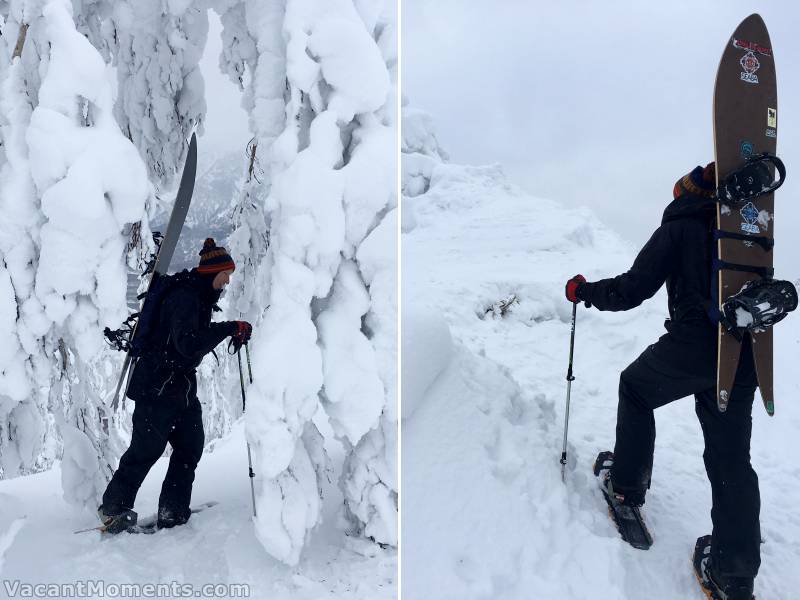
[672,368]
[152,422]
[736,535]
[187,440]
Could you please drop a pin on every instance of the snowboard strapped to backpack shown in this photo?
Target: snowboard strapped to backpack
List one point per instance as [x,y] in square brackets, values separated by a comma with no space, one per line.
[760,303]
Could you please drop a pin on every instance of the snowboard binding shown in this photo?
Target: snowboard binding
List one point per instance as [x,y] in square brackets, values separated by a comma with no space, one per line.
[120,339]
[758,305]
[752,180]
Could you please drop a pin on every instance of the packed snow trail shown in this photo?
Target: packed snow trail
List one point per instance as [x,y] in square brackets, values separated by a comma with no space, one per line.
[485,514]
[217,546]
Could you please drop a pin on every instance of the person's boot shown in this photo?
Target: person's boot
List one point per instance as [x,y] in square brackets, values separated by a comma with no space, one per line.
[116,519]
[715,585]
[168,517]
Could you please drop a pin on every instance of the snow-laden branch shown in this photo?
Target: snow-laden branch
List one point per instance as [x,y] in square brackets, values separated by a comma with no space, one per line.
[71,185]
[157,47]
[321,97]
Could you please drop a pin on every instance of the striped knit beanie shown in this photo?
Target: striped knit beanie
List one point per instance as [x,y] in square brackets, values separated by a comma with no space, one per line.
[214,259]
[700,182]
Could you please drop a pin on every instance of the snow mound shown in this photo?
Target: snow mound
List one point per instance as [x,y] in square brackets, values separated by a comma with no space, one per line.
[427,348]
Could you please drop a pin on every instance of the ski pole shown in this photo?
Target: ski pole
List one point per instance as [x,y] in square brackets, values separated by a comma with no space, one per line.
[244,404]
[570,379]
[249,368]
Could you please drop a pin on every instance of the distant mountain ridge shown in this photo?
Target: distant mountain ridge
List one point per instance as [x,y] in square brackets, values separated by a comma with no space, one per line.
[210,211]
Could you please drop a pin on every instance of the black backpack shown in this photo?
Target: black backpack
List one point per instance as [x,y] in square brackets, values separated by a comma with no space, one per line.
[138,334]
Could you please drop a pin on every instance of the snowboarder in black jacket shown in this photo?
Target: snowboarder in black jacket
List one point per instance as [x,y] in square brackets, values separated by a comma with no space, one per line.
[164,387]
[681,363]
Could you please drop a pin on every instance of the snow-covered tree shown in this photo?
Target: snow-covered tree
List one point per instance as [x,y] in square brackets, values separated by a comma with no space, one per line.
[253,45]
[421,154]
[73,186]
[23,408]
[321,97]
[420,150]
[157,47]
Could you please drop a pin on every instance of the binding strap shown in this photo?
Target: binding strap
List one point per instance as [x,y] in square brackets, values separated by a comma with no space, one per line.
[766,243]
[721,265]
[717,265]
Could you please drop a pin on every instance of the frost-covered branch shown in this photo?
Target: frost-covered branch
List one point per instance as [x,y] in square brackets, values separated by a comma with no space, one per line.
[156,48]
[321,96]
[72,185]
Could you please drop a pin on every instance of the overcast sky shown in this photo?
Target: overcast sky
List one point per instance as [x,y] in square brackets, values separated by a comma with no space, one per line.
[603,104]
[226,128]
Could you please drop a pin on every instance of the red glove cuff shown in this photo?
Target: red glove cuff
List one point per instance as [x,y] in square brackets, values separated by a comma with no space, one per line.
[242,332]
[571,289]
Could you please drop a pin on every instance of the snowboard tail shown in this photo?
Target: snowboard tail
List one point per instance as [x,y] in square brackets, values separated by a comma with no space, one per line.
[762,355]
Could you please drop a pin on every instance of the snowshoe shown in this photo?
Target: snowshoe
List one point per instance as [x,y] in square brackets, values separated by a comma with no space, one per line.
[734,588]
[166,519]
[127,521]
[626,515]
[115,520]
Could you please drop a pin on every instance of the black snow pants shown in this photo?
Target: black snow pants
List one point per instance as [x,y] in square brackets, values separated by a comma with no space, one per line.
[682,363]
[158,421]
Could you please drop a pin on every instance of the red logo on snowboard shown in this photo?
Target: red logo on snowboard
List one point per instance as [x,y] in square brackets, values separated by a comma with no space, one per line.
[752,46]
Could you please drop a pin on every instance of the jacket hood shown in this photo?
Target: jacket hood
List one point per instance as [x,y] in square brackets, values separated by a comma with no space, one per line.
[201,284]
[689,206]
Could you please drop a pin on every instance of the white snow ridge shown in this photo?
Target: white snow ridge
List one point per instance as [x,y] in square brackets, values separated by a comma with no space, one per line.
[485,514]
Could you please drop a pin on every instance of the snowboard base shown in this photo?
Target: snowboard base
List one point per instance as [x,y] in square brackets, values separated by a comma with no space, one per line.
[745,130]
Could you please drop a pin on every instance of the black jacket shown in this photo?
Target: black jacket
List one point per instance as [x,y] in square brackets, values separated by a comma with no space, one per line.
[678,253]
[184,336]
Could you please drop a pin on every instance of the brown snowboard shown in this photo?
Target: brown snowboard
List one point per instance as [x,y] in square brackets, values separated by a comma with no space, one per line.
[745,124]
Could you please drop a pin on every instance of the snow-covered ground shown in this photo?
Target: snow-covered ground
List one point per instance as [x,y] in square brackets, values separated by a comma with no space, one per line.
[485,514]
[217,546]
